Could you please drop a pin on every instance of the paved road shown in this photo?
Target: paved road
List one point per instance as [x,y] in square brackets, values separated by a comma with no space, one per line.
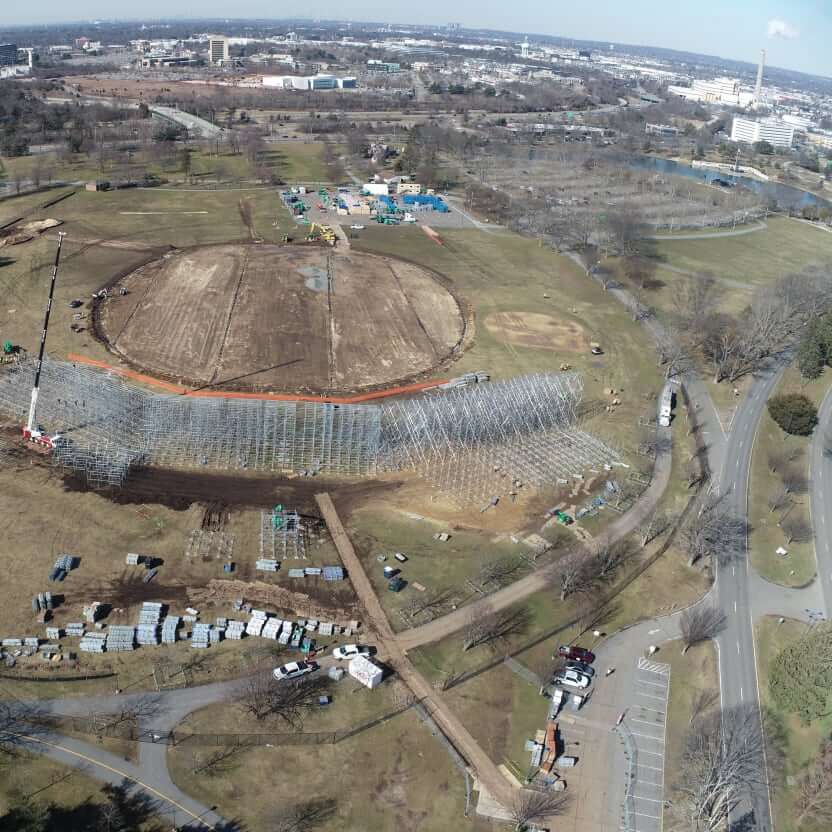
[820,479]
[195,125]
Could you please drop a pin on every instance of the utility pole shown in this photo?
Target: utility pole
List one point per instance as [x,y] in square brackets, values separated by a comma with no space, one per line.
[30,432]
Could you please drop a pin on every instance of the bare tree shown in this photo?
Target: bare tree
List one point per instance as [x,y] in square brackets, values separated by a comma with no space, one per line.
[674,353]
[606,559]
[219,761]
[486,625]
[535,805]
[794,480]
[302,817]
[262,696]
[573,573]
[701,702]
[713,531]
[655,524]
[723,759]
[498,570]
[777,458]
[700,623]
[796,528]
[778,497]
[814,791]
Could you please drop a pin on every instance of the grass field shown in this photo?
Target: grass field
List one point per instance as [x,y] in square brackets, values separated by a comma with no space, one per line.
[288,161]
[394,776]
[799,566]
[691,674]
[39,781]
[801,742]
[502,272]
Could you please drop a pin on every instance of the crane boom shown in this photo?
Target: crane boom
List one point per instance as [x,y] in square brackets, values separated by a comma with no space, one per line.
[30,431]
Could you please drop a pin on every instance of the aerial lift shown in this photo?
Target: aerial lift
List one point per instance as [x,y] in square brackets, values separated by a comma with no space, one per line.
[31,432]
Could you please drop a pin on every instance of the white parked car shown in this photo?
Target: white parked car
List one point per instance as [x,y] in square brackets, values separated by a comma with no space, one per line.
[293,670]
[357,227]
[572,678]
[348,651]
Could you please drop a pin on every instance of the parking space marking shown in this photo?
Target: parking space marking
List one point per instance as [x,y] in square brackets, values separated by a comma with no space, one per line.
[654,667]
[651,753]
[652,768]
[648,799]
[662,685]
[644,722]
[650,696]
[648,708]
[647,737]
[642,815]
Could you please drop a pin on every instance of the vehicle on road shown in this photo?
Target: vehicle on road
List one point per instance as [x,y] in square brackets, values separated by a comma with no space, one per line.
[572,679]
[357,227]
[581,667]
[294,670]
[578,654]
[349,651]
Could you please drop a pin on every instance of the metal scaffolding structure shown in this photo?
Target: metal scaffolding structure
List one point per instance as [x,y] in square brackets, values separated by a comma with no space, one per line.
[282,535]
[468,441]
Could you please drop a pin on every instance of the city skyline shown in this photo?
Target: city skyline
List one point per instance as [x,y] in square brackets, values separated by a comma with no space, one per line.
[794,34]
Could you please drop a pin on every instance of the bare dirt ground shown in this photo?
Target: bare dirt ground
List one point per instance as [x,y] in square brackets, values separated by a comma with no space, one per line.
[532,329]
[272,318]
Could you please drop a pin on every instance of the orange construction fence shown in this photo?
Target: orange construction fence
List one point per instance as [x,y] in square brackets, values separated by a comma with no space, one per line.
[228,394]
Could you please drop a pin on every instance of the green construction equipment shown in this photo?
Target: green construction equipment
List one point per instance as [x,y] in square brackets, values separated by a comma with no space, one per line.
[8,347]
[277,516]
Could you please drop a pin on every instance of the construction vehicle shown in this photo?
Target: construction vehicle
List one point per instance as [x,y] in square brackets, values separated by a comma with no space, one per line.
[595,348]
[383,219]
[31,432]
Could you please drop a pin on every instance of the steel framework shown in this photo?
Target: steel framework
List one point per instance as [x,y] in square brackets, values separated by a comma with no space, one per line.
[470,441]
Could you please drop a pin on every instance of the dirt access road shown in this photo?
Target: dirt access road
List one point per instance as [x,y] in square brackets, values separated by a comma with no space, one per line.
[487,772]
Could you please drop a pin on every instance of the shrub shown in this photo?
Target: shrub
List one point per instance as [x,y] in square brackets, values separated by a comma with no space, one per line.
[794,413]
[800,675]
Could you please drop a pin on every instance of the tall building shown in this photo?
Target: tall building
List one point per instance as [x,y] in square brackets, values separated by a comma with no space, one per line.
[217,49]
[524,48]
[8,54]
[771,130]
[758,88]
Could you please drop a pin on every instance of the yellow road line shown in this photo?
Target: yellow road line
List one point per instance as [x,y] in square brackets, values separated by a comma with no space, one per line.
[115,771]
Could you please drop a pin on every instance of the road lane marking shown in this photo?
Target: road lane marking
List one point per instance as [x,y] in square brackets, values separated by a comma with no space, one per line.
[121,774]
[738,646]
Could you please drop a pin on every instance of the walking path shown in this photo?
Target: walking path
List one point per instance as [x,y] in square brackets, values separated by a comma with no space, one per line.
[487,772]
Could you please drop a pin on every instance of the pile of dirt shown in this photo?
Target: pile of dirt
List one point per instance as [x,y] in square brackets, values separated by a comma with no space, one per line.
[277,598]
[25,231]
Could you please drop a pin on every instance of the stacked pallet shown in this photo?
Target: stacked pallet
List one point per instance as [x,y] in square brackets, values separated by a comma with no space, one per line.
[169,628]
[121,638]
[75,630]
[201,635]
[235,629]
[256,623]
[93,643]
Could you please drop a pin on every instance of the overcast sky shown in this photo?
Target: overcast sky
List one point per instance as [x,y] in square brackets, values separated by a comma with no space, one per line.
[796,33]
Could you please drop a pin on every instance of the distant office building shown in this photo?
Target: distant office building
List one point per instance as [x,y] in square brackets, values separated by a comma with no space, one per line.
[661,130]
[799,122]
[715,91]
[217,49]
[383,66]
[771,130]
[8,54]
[309,83]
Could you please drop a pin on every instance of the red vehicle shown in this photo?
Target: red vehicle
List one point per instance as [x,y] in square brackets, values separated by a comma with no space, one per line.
[581,654]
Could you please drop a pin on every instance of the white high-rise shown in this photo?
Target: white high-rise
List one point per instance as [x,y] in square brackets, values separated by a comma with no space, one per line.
[217,49]
[771,130]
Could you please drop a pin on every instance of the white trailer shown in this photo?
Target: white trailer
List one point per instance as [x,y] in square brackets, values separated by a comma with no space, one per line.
[366,672]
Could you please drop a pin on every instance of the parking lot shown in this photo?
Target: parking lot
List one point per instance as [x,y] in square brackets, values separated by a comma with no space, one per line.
[643,735]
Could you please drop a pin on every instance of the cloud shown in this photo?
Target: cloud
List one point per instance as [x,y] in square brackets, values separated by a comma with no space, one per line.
[781,29]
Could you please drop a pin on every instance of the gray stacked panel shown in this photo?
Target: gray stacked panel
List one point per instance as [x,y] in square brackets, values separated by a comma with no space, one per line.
[76,629]
[235,630]
[169,628]
[93,643]
[201,635]
[121,638]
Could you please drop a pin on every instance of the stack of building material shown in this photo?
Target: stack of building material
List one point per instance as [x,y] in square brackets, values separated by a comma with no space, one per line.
[12,642]
[133,559]
[267,565]
[169,628]
[150,613]
[49,650]
[62,566]
[312,571]
[256,622]
[336,673]
[31,642]
[285,633]
[297,573]
[550,747]
[93,643]
[121,638]
[75,630]
[215,635]
[147,634]
[235,629]
[333,573]
[54,633]
[271,628]
[93,611]
[366,672]
[201,635]
[42,601]
[325,628]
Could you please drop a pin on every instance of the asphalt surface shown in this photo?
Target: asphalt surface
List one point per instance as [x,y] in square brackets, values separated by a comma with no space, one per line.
[820,482]
[731,464]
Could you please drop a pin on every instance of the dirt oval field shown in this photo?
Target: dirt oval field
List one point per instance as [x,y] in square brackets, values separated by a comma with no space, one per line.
[282,318]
